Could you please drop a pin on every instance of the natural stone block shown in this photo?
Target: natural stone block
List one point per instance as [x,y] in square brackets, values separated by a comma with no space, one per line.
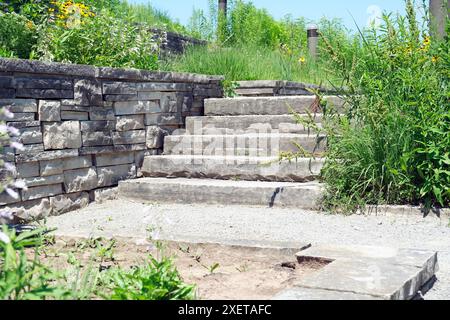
[43,83]
[6,199]
[74,115]
[49,110]
[41,192]
[103,160]
[110,176]
[44,93]
[6,82]
[69,202]
[119,88]
[163,86]
[29,211]
[129,137]
[121,97]
[136,107]
[130,122]
[43,181]
[88,92]
[19,116]
[46,155]
[98,138]
[27,169]
[7,93]
[77,162]
[80,180]
[102,114]
[155,137]
[69,105]
[7,154]
[30,135]
[163,119]
[93,126]
[96,150]
[25,124]
[19,105]
[63,135]
[104,194]
[51,167]
[129,147]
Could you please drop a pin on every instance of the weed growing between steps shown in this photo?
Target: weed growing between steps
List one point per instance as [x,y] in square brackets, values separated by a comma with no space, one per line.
[392,145]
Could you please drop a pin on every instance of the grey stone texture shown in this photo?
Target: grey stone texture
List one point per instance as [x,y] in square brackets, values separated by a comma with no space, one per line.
[85,128]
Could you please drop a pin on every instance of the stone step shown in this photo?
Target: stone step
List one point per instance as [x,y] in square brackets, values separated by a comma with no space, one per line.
[223,192]
[246,124]
[267,144]
[232,167]
[266,105]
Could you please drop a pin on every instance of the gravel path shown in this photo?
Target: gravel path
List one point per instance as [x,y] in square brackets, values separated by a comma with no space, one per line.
[232,224]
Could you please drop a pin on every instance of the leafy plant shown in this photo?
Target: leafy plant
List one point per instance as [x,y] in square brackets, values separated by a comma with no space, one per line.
[156,280]
[17,35]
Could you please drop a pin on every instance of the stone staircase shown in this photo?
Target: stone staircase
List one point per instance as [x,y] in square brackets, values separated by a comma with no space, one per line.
[231,156]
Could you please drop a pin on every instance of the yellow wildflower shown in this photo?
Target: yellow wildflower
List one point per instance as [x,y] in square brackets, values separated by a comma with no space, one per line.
[30,25]
[434,59]
[302,60]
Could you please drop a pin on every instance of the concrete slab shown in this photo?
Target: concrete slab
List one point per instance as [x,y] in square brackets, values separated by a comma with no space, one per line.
[298,293]
[371,277]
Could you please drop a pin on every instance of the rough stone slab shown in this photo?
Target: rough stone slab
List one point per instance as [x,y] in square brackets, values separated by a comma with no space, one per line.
[30,135]
[6,199]
[88,92]
[70,105]
[102,114]
[25,124]
[19,116]
[155,137]
[43,83]
[6,82]
[136,107]
[121,97]
[130,122]
[129,137]
[266,144]
[80,180]
[31,149]
[7,93]
[50,167]
[41,192]
[47,155]
[410,257]
[44,181]
[63,135]
[119,87]
[74,115]
[244,124]
[104,194]
[264,105]
[226,192]
[163,119]
[19,105]
[232,167]
[369,277]
[27,169]
[49,110]
[308,294]
[69,202]
[110,176]
[44,93]
[129,147]
[7,154]
[77,163]
[103,160]
[29,211]
[97,125]
[155,86]
[256,92]
[96,150]
[98,138]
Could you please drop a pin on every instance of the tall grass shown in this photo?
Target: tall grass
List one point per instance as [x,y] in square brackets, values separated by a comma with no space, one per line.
[393,145]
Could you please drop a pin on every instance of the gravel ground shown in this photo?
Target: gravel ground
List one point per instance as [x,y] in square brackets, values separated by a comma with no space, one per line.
[241,225]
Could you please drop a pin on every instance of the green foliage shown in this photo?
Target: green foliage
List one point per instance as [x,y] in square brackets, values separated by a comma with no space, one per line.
[21,277]
[102,40]
[392,146]
[156,280]
[17,35]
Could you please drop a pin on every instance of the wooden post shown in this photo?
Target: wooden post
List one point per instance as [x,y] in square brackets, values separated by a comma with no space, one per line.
[222,21]
[223,7]
[439,12]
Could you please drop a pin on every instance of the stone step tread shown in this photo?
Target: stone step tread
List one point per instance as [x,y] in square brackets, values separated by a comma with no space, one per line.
[249,135]
[224,192]
[232,167]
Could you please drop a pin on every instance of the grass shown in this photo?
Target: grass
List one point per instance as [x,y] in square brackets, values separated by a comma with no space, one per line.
[247,63]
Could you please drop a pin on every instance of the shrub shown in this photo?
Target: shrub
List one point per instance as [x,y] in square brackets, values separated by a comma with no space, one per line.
[102,40]
[392,146]
[17,35]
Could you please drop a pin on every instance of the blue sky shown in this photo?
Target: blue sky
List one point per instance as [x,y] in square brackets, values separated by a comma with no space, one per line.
[361,10]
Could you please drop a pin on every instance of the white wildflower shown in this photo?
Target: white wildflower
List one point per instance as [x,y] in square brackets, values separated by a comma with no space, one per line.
[4,238]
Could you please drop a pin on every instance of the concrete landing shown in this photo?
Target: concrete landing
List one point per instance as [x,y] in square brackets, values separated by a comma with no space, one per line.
[364,272]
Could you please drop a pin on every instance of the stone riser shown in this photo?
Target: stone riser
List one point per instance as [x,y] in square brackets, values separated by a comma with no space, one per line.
[246,124]
[268,145]
[266,106]
[232,168]
[201,191]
